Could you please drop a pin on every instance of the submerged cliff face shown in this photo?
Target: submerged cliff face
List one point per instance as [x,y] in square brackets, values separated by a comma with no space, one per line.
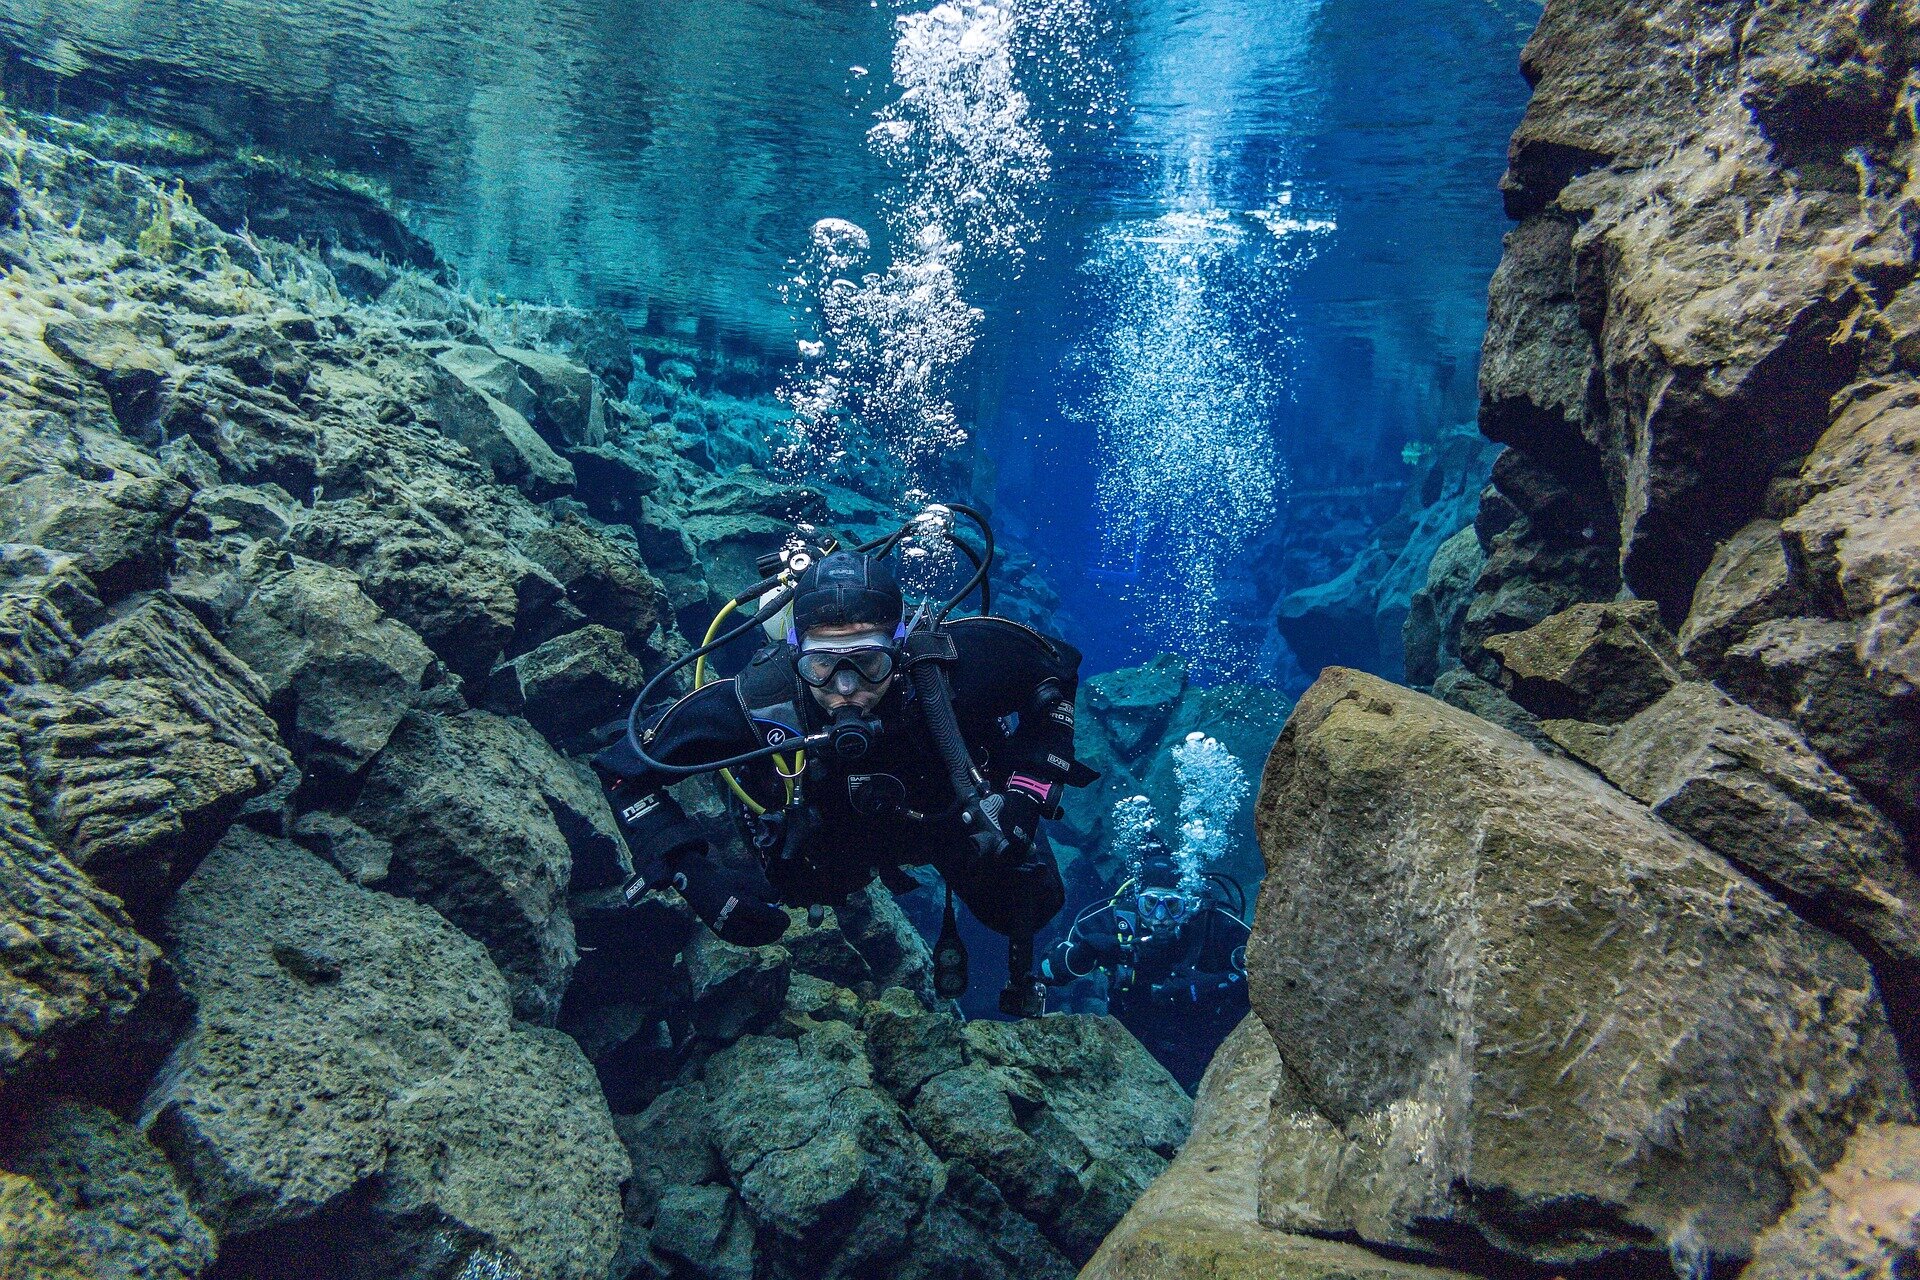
[1623,984]
[316,579]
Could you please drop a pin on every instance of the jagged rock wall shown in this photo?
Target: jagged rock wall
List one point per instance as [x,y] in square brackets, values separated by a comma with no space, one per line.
[311,596]
[1373,614]
[1625,987]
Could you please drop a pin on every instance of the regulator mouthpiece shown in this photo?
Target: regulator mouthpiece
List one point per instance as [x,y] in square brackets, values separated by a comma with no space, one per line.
[851,735]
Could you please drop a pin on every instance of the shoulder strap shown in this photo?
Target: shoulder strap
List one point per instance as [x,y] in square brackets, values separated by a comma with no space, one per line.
[768,697]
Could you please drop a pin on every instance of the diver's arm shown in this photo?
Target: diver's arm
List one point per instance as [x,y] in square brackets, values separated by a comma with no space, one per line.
[667,846]
[1007,669]
[1093,943]
[1223,949]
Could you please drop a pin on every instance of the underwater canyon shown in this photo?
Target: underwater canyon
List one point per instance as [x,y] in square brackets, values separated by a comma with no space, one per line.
[1475,447]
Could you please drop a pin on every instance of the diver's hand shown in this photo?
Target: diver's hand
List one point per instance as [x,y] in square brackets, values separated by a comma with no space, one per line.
[733,905]
[1017,816]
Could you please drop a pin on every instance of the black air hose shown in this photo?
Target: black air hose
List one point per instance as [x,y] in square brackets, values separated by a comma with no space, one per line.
[936,703]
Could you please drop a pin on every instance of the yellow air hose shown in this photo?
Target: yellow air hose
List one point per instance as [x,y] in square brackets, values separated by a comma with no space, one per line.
[780,765]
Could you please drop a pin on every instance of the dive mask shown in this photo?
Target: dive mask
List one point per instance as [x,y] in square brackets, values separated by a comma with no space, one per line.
[1157,907]
[869,657]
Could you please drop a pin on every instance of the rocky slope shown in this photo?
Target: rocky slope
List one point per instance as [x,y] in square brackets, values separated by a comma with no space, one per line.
[1615,976]
[315,578]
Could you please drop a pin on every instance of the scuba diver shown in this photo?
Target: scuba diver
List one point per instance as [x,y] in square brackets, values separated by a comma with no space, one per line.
[1175,961]
[860,741]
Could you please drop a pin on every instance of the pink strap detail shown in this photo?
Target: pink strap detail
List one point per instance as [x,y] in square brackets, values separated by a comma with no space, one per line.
[1031,785]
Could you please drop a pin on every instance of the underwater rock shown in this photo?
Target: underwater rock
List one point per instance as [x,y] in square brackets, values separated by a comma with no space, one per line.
[119,1196]
[1751,789]
[1858,534]
[879,1133]
[568,409]
[595,338]
[354,1084]
[1714,371]
[1547,543]
[494,431]
[73,968]
[1200,1219]
[1749,582]
[338,673]
[1598,662]
[76,490]
[734,989]
[1468,1023]
[570,684]
[1807,671]
[895,953]
[36,1238]
[1431,633]
[602,582]
[459,593]
[140,760]
[826,1163]
[485,822]
[1861,1220]
[1358,617]
[358,854]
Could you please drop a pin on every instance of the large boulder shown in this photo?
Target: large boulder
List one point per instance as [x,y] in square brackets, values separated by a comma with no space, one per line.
[1751,789]
[422,556]
[829,1167]
[91,494]
[354,1086]
[493,430]
[1200,1220]
[572,683]
[844,1135]
[1858,535]
[569,409]
[72,967]
[1807,671]
[485,821]
[1599,662]
[1535,1013]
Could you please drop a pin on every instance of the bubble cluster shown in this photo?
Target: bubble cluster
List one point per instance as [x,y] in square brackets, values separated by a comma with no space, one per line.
[1132,825]
[876,377]
[1182,362]
[1213,787]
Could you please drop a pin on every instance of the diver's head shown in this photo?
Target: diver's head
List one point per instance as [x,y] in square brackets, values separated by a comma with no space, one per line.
[1159,903]
[847,612]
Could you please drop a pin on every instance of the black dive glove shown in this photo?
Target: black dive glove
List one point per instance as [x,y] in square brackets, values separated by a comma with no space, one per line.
[733,905]
[1017,814]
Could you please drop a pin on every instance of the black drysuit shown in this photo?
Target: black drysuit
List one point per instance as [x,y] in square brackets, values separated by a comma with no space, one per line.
[1179,990]
[1013,693]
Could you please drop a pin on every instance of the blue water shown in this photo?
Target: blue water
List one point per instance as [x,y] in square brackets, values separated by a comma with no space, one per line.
[1205,268]
[1387,121]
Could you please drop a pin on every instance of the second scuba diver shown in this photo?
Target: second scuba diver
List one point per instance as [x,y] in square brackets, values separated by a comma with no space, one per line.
[863,743]
[1175,960]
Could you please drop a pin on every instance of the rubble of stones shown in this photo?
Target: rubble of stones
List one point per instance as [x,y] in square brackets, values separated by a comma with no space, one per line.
[316,580]
[1609,968]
